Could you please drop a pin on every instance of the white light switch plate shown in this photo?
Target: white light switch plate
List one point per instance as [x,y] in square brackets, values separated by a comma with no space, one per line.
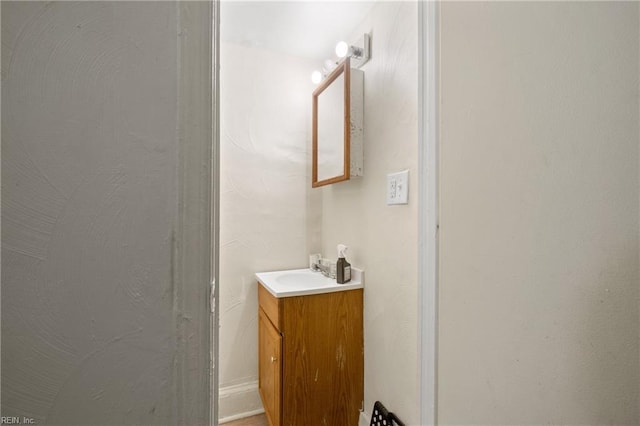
[398,188]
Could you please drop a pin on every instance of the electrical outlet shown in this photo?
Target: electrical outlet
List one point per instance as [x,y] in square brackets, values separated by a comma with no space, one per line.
[398,188]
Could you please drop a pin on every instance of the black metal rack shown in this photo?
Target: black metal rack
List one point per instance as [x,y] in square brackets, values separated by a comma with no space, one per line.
[382,417]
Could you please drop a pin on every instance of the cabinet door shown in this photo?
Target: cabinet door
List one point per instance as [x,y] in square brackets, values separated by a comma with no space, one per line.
[269,365]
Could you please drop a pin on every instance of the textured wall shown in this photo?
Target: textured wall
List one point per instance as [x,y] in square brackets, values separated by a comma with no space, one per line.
[265,194]
[91,179]
[538,309]
[383,239]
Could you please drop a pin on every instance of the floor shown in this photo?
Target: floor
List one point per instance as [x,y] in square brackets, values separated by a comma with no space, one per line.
[260,420]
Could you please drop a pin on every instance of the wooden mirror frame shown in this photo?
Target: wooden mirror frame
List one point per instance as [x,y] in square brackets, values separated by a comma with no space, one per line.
[342,68]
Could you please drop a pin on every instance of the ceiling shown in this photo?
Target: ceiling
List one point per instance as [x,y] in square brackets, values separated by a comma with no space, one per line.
[308,29]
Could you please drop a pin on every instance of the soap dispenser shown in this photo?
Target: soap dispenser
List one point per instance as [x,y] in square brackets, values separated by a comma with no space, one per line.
[343,273]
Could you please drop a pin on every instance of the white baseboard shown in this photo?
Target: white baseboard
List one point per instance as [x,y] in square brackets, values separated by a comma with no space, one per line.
[364,419]
[238,401]
[243,400]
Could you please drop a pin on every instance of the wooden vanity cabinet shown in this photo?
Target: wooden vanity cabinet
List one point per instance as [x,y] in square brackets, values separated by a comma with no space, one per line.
[311,358]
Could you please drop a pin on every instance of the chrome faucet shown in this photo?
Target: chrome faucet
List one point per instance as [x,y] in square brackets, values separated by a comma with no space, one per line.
[324,269]
[324,266]
[328,268]
[321,267]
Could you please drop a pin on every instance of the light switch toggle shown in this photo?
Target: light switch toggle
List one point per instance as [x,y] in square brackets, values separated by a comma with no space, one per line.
[398,188]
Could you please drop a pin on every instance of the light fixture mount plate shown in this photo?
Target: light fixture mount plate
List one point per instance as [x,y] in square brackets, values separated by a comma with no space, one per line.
[361,51]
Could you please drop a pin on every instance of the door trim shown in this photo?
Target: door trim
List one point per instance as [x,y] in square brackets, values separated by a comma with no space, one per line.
[215,213]
[194,265]
[428,101]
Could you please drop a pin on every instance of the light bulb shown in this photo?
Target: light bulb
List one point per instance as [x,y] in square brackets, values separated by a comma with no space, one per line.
[342,48]
[329,65]
[316,77]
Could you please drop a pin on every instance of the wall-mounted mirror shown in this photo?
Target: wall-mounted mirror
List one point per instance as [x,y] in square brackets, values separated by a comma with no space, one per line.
[337,126]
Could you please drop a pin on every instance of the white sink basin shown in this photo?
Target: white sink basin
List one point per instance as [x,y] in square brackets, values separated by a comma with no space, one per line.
[301,282]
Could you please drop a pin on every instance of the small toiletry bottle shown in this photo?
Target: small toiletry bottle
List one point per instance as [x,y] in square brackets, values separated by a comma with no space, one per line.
[343,273]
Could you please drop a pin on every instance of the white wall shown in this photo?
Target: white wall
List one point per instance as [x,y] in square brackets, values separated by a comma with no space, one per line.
[383,239]
[97,321]
[267,220]
[538,289]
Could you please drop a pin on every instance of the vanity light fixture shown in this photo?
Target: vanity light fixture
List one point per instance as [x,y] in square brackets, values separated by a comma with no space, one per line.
[360,53]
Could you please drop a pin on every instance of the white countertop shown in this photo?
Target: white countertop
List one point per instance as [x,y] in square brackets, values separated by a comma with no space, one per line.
[301,282]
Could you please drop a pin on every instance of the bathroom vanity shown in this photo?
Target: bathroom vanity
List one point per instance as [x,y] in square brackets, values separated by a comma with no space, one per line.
[311,348]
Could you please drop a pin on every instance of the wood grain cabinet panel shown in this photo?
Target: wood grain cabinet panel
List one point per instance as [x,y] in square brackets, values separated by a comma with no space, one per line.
[269,367]
[321,358]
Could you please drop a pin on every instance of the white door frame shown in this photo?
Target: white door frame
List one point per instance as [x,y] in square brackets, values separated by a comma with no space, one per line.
[194,259]
[214,299]
[428,206]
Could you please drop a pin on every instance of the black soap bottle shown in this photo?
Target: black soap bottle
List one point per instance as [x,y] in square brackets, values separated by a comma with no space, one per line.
[343,268]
